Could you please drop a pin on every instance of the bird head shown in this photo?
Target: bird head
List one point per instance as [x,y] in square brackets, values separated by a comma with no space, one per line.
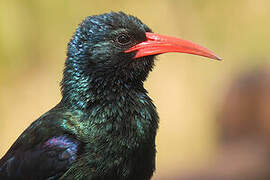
[120,45]
[117,47]
[99,44]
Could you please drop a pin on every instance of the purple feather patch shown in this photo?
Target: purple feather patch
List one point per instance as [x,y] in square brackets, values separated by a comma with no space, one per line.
[62,142]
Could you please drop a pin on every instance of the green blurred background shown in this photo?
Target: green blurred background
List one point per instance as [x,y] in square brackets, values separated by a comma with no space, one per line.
[186,89]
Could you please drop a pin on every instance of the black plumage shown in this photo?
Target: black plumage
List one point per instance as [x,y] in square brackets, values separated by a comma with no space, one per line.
[105,125]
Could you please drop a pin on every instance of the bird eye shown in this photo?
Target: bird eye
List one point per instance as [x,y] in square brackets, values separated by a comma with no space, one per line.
[123,39]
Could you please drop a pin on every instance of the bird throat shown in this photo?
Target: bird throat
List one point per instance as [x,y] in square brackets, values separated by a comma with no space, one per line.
[84,91]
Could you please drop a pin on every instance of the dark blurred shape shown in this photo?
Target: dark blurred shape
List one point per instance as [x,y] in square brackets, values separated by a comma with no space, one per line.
[244,130]
[240,113]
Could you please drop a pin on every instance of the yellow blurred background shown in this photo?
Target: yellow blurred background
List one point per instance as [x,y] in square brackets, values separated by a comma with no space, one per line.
[187,90]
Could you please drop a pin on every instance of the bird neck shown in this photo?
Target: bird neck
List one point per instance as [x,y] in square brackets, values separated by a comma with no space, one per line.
[80,91]
[109,100]
[109,105]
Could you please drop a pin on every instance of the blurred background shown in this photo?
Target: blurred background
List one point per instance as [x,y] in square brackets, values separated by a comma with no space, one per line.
[214,116]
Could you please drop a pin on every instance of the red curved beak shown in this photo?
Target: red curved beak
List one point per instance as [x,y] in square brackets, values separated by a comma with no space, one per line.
[158,44]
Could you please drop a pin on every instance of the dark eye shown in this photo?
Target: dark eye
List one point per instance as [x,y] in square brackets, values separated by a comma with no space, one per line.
[123,39]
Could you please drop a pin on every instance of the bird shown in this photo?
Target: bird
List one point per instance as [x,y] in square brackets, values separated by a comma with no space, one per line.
[105,125]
